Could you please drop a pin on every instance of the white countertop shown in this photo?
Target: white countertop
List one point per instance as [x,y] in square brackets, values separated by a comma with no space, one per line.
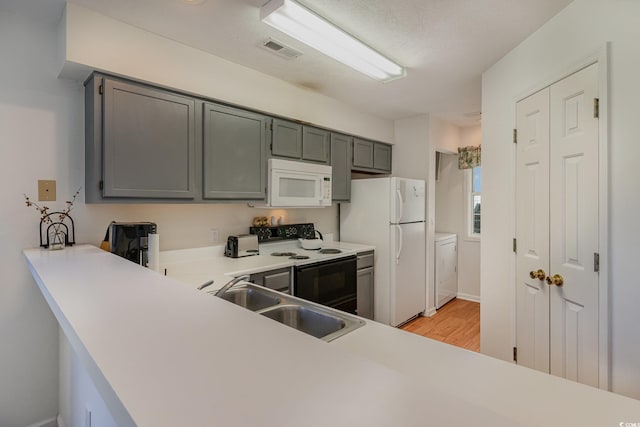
[199,265]
[164,354]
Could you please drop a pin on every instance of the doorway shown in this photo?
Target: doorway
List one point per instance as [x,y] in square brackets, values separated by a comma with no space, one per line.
[455,254]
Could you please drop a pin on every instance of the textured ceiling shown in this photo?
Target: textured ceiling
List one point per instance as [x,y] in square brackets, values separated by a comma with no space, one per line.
[445,44]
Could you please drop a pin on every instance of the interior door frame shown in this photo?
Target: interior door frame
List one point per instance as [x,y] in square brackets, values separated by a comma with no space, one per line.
[600,56]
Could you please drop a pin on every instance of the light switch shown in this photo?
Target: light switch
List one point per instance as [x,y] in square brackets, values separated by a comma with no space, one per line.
[46,190]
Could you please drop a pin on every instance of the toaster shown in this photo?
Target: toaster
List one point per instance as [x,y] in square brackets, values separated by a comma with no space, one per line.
[241,245]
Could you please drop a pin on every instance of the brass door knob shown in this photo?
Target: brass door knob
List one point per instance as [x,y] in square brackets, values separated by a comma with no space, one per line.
[540,274]
[556,279]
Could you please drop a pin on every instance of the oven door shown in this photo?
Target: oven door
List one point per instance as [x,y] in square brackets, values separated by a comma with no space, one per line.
[331,283]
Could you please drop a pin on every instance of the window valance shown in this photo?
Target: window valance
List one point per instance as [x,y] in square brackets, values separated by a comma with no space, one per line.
[468,157]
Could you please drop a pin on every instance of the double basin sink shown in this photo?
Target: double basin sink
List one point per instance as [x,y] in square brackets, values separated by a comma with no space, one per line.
[313,319]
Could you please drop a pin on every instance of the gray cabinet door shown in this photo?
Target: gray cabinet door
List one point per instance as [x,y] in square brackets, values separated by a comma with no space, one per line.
[148,142]
[365,292]
[315,144]
[279,280]
[371,156]
[341,167]
[286,139]
[234,164]
[382,157]
[362,153]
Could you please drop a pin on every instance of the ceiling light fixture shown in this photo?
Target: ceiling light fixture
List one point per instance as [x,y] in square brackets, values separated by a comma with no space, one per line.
[306,26]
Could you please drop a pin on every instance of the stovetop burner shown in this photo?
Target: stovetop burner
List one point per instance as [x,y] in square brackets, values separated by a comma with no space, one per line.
[298,257]
[330,251]
[289,254]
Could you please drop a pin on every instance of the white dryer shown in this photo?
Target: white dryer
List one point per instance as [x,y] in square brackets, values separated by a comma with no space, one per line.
[446,268]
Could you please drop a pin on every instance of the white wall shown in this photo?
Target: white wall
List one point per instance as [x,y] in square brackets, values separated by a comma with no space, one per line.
[449,197]
[38,119]
[42,137]
[567,39]
[471,135]
[411,152]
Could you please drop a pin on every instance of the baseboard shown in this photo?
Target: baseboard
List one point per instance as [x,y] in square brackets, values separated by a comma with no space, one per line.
[430,312]
[468,297]
[50,422]
[60,422]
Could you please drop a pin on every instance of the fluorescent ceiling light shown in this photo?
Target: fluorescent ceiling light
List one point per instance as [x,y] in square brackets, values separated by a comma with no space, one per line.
[304,25]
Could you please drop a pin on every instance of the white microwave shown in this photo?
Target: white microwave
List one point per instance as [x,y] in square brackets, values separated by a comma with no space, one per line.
[298,185]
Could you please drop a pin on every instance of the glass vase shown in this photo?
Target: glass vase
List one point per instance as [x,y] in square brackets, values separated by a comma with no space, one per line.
[57,240]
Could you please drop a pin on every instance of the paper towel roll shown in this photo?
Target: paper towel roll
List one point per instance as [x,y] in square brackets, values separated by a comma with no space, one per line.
[154,252]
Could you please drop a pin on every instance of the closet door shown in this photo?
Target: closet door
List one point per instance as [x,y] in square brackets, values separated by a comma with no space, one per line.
[574,227]
[532,231]
[557,229]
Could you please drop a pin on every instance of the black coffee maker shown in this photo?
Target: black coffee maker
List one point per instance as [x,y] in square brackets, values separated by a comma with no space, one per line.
[130,240]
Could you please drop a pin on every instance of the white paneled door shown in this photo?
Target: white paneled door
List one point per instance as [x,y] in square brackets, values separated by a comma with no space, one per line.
[532,231]
[557,229]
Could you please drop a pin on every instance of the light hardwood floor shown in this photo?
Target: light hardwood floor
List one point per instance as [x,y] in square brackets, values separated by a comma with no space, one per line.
[457,323]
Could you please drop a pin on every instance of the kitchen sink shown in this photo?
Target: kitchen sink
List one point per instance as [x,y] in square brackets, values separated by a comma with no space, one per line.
[314,320]
[305,320]
[250,297]
[305,316]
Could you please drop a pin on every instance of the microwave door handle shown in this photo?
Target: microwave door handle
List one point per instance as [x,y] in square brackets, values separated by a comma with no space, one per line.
[400,242]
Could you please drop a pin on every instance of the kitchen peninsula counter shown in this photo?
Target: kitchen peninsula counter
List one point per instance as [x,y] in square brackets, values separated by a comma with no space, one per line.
[164,354]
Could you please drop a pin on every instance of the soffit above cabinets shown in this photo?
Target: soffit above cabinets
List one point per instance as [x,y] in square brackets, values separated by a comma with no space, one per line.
[445,45]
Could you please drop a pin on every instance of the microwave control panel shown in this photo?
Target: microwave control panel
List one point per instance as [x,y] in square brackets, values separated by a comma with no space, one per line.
[326,191]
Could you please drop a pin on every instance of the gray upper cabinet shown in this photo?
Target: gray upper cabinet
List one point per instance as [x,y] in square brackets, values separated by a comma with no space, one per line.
[286,139]
[295,141]
[371,156]
[234,147]
[382,157]
[140,141]
[341,167]
[148,144]
[316,146]
[362,154]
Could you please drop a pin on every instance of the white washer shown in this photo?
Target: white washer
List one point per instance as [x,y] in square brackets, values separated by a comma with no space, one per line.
[446,267]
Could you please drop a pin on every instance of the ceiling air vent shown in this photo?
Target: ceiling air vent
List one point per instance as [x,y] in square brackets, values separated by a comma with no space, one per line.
[280,49]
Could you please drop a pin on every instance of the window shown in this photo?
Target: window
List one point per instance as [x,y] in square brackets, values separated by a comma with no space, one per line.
[475,198]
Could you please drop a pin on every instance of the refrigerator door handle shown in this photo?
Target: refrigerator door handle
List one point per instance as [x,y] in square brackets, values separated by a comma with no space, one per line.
[400,205]
[399,244]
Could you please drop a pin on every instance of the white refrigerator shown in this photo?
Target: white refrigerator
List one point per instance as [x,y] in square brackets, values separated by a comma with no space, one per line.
[389,213]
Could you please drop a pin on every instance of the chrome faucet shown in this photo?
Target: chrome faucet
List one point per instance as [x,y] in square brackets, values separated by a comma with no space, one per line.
[230,284]
[204,285]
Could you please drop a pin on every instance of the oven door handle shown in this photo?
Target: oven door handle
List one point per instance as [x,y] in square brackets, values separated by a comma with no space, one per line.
[400,242]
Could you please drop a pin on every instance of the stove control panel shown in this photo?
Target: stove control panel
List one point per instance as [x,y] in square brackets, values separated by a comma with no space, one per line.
[283,232]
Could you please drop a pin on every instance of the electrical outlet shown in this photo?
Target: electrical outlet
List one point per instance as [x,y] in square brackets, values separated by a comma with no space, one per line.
[214,235]
[46,190]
